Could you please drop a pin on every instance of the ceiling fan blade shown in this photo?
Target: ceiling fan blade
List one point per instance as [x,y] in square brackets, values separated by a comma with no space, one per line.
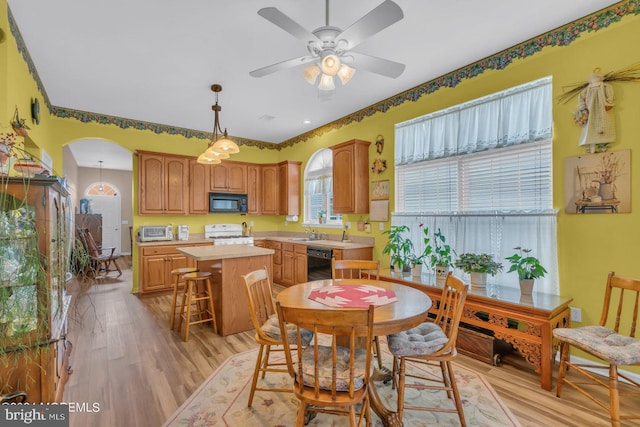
[373,22]
[281,20]
[377,65]
[290,63]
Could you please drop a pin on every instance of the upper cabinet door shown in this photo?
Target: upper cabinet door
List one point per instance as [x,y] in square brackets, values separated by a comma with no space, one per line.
[198,187]
[150,184]
[229,177]
[162,181]
[351,177]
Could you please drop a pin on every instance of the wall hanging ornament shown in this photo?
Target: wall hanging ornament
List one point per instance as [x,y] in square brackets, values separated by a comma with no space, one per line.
[379,144]
[595,106]
[379,166]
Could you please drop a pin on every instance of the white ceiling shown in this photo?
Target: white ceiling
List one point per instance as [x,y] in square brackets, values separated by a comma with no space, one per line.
[155,60]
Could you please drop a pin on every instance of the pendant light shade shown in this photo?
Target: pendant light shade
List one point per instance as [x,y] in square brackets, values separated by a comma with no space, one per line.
[220,146]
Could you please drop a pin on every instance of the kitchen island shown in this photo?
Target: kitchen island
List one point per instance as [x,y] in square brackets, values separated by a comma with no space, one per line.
[227,264]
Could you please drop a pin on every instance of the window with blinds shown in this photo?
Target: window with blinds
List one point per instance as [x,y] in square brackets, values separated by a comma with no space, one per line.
[514,178]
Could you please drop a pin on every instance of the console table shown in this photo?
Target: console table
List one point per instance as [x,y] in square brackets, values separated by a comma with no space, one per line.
[499,308]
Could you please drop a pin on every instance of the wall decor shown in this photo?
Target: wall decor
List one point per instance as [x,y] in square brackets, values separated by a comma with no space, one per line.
[379,166]
[379,144]
[379,210]
[380,190]
[599,182]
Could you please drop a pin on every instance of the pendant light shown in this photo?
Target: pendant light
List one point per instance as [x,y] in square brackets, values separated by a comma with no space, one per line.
[100,187]
[220,146]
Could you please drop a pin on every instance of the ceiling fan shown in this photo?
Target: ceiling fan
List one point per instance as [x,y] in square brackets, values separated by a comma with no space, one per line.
[330,48]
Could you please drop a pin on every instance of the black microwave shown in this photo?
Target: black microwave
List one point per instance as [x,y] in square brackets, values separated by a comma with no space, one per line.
[227,203]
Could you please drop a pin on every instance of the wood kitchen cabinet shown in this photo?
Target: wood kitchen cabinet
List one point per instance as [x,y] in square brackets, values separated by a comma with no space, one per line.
[356,253]
[254,189]
[198,187]
[289,187]
[229,177]
[300,269]
[156,263]
[351,177]
[270,190]
[294,264]
[162,184]
[277,259]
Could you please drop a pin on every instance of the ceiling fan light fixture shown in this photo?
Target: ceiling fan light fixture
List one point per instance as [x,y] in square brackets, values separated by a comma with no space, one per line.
[330,64]
[311,74]
[345,73]
[326,83]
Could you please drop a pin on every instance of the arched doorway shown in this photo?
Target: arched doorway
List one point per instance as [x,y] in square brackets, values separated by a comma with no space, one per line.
[104,198]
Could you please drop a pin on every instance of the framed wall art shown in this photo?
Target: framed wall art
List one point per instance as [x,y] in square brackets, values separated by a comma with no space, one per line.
[380,190]
[598,183]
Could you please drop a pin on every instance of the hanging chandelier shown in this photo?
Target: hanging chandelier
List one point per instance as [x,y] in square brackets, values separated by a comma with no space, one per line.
[220,146]
[100,187]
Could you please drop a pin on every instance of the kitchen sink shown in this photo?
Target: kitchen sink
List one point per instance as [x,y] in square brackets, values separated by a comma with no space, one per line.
[300,239]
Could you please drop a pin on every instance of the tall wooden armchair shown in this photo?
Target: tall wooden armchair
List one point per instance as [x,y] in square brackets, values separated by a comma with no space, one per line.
[354,269]
[329,378]
[431,343]
[102,260]
[606,342]
[265,321]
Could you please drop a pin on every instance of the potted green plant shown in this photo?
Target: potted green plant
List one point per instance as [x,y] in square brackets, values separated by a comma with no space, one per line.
[417,260]
[441,257]
[398,247]
[478,266]
[528,268]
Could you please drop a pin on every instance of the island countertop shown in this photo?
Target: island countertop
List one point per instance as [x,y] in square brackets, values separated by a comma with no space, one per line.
[207,253]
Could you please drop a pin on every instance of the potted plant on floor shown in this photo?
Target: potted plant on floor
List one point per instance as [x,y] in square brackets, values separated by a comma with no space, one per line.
[398,247]
[478,266]
[441,258]
[528,268]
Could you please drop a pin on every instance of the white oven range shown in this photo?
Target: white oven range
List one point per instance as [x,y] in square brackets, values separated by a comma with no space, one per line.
[226,234]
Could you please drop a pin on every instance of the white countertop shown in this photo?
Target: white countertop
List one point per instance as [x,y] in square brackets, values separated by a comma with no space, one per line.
[207,253]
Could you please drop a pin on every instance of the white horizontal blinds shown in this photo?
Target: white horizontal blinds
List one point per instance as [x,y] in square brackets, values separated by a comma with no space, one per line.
[428,189]
[508,179]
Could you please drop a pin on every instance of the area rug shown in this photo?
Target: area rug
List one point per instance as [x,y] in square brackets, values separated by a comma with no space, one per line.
[222,401]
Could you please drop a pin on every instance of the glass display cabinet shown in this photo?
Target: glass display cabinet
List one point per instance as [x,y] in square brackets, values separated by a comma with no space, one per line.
[35,249]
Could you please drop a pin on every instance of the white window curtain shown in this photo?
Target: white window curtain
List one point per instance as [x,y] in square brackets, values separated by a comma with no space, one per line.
[481,172]
[518,115]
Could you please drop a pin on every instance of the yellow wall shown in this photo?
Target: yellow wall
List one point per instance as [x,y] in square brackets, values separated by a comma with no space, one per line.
[589,245]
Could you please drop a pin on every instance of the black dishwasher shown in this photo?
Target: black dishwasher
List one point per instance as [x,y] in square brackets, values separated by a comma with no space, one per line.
[318,263]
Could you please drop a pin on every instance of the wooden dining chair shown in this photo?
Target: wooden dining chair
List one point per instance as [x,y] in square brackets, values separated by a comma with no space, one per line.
[431,343]
[329,378]
[606,342]
[102,260]
[355,269]
[265,322]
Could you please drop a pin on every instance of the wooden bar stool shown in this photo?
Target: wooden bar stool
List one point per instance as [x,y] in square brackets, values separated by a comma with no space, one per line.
[177,274]
[199,294]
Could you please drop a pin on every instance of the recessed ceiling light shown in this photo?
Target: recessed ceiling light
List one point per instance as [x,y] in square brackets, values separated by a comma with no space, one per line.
[306,122]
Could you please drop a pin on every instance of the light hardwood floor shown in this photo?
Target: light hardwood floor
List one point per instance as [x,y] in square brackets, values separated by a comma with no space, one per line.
[126,360]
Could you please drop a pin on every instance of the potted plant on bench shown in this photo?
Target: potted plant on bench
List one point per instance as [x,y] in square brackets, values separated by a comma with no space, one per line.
[528,268]
[478,266]
[441,258]
[418,260]
[398,247]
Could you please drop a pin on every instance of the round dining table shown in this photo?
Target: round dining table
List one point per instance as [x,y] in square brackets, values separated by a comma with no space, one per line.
[409,310]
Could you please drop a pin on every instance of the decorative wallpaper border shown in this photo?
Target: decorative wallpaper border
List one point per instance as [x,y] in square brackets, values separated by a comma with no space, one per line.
[561,36]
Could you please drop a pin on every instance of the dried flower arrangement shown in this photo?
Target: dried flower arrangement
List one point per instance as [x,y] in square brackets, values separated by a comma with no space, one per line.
[610,168]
